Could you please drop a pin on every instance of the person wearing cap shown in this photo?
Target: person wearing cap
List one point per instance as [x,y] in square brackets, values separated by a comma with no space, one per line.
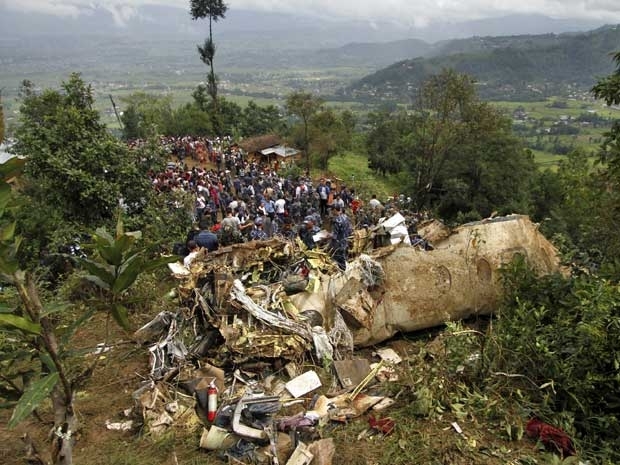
[257,233]
[306,233]
[341,231]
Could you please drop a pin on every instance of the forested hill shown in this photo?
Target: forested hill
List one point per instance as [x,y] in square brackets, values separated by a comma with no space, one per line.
[517,67]
[374,54]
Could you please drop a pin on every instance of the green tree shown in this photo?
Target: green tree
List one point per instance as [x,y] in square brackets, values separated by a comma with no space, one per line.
[189,119]
[381,143]
[1,119]
[116,267]
[460,153]
[229,117]
[34,326]
[330,134]
[608,89]
[75,168]
[145,115]
[214,10]
[258,120]
[304,106]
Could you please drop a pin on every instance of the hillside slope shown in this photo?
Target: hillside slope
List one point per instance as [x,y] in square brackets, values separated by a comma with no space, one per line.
[520,67]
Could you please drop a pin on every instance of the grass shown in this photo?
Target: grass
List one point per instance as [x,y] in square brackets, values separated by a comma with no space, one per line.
[352,169]
[574,108]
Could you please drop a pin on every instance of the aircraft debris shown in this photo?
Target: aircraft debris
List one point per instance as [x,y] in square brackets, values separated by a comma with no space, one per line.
[262,320]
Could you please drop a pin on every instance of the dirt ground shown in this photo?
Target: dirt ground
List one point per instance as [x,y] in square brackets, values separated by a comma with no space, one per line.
[414,441]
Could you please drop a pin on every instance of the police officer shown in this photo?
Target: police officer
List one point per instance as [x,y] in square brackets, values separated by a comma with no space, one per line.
[341,231]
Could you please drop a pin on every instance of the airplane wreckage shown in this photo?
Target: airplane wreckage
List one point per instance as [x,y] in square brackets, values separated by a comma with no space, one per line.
[275,298]
[246,306]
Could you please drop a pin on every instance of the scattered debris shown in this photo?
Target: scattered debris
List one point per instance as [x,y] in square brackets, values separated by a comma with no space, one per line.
[352,372]
[553,438]
[303,384]
[259,321]
[456,427]
[382,425]
[119,426]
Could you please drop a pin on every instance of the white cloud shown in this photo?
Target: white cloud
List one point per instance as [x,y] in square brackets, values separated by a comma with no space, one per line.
[59,8]
[414,12]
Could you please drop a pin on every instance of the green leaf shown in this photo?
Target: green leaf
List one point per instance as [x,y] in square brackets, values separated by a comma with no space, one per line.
[7,232]
[47,361]
[135,234]
[5,195]
[120,227]
[8,264]
[121,315]
[128,273]
[103,234]
[158,262]
[123,244]
[20,322]
[113,255]
[55,307]
[12,167]
[98,270]
[6,309]
[32,397]
[135,267]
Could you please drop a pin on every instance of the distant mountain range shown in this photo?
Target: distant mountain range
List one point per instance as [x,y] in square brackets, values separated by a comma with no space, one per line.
[292,31]
[527,67]
[156,46]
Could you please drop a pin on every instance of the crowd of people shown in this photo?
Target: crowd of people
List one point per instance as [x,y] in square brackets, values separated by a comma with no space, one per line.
[237,199]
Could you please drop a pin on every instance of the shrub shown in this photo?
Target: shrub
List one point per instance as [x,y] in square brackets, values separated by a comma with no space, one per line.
[558,339]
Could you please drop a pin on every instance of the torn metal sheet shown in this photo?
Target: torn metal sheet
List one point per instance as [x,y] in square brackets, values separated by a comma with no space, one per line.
[422,289]
[240,290]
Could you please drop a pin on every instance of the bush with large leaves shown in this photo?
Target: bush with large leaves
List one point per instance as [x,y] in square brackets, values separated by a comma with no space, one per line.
[117,266]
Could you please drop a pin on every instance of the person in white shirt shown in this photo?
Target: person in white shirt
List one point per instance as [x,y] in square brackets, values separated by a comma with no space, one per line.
[280,206]
[194,250]
[374,202]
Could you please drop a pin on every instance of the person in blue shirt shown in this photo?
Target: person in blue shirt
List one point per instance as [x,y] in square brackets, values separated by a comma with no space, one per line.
[341,231]
[257,233]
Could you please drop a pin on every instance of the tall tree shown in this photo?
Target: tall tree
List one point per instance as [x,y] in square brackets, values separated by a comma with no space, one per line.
[145,114]
[1,119]
[383,154]
[608,89]
[258,120]
[214,10]
[459,153]
[304,105]
[331,133]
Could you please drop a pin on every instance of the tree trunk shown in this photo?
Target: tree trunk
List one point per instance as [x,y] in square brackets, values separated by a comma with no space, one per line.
[65,421]
[65,426]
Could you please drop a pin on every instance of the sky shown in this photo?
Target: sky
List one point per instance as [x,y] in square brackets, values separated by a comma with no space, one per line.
[418,13]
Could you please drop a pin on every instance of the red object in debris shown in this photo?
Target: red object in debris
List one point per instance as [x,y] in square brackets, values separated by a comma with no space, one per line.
[550,436]
[211,401]
[383,425]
